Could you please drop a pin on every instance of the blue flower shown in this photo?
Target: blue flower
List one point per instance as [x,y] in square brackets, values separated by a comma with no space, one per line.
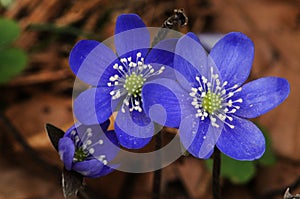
[117,79]
[88,150]
[212,99]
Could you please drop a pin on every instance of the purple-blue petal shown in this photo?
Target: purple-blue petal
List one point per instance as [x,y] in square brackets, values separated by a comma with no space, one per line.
[105,125]
[107,72]
[93,106]
[162,101]
[261,95]
[162,53]
[199,136]
[134,130]
[104,105]
[140,118]
[88,168]
[190,59]
[244,142]
[208,40]
[79,53]
[66,150]
[191,132]
[111,135]
[104,171]
[130,34]
[131,142]
[233,56]
[88,59]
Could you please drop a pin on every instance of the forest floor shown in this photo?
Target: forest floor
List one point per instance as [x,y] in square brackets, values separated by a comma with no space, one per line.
[43,94]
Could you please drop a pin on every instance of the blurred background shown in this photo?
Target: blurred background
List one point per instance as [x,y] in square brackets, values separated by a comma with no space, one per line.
[36,88]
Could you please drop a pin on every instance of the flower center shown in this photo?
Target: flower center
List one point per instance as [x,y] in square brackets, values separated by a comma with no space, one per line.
[80,155]
[85,147]
[133,84]
[211,102]
[212,99]
[129,80]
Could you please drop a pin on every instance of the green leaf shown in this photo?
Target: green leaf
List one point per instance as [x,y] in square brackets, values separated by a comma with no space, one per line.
[241,172]
[12,62]
[238,172]
[6,3]
[9,31]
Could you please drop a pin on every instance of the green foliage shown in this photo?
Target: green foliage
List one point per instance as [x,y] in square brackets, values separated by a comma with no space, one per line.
[241,172]
[9,31]
[6,3]
[238,172]
[12,60]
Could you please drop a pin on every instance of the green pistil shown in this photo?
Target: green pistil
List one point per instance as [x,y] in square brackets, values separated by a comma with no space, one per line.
[80,155]
[211,102]
[133,84]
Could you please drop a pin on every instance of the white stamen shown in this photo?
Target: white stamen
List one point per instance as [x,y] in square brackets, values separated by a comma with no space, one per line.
[91,150]
[73,132]
[218,103]
[88,142]
[132,73]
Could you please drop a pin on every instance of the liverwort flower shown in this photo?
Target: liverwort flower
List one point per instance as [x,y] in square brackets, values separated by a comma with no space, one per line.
[117,79]
[88,149]
[214,102]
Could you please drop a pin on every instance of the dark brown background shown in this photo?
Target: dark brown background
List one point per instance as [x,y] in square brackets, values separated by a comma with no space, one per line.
[42,94]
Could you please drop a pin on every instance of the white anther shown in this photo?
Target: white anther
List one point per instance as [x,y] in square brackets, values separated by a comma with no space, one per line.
[131,88]
[239,100]
[239,89]
[88,142]
[105,162]
[73,132]
[91,150]
[216,105]
[192,94]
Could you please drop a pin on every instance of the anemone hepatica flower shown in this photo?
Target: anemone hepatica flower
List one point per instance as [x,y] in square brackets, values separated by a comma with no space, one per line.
[117,79]
[88,150]
[215,104]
